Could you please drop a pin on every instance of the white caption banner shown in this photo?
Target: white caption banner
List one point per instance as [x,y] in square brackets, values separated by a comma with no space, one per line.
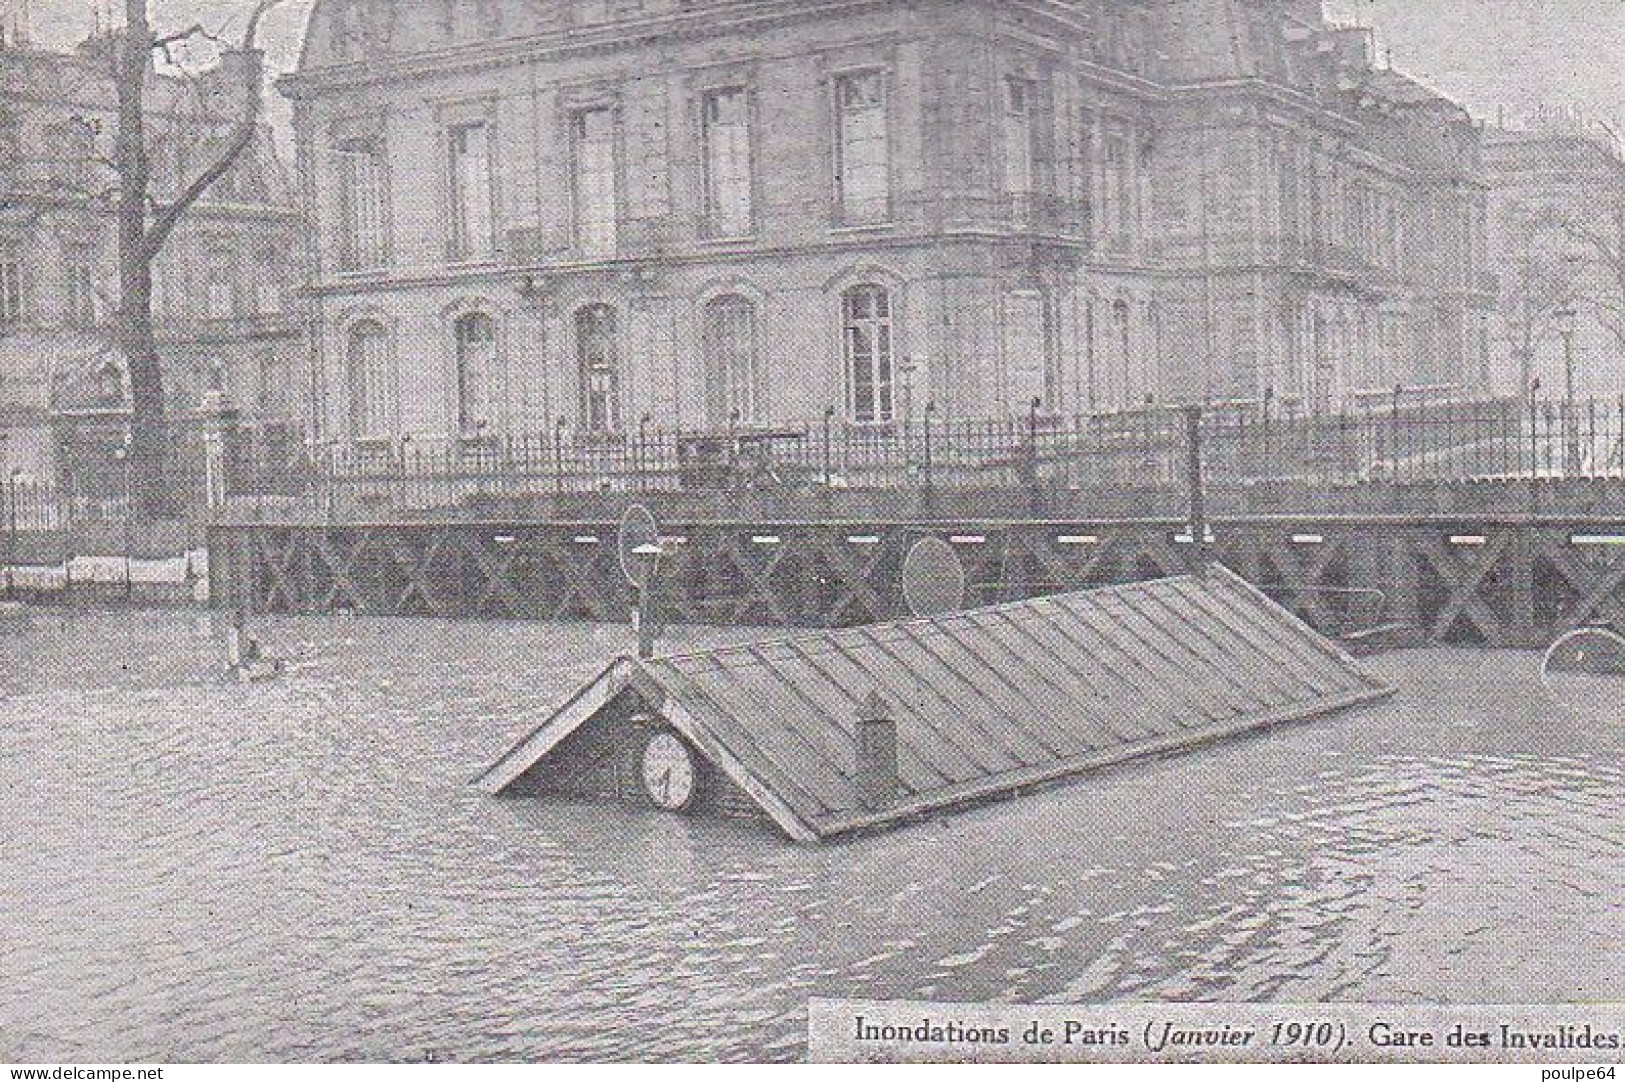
[858,1031]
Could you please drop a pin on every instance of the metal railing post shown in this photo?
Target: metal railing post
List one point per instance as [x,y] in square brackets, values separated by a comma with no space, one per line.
[558,455]
[1534,437]
[1393,432]
[1196,484]
[10,478]
[642,464]
[829,450]
[930,413]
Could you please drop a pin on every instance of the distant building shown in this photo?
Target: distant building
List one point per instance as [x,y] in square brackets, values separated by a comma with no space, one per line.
[1557,212]
[580,214]
[225,292]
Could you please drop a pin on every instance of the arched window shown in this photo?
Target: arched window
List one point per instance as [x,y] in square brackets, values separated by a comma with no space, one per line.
[866,315]
[367,358]
[732,374]
[110,383]
[598,358]
[476,344]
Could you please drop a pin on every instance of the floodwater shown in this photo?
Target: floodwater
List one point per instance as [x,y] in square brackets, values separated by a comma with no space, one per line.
[300,870]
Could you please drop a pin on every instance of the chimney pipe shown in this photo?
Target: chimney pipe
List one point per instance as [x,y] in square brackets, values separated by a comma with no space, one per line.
[877,782]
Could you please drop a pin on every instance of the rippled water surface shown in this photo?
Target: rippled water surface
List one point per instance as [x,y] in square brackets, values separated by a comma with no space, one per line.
[194,871]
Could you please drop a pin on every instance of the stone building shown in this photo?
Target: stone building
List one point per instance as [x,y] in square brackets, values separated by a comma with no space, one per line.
[225,295]
[583,214]
[1557,213]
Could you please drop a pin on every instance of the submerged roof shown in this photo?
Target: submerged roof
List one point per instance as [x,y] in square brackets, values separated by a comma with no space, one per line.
[986,701]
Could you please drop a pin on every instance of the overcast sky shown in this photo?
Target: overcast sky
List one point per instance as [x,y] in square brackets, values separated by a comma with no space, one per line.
[1484,53]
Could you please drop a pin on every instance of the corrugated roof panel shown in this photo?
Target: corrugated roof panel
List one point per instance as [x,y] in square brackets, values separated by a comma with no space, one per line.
[838,708]
[781,732]
[936,756]
[1108,703]
[1116,652]
[755,751]
[997,712]
[1062,713]
[944,711]
[1167,657]
[985,701]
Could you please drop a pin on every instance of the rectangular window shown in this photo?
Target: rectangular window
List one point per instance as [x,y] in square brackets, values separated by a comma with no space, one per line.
[1117,191]
[725,127]
[363,213]
[220,290]
[592,141]
[1018,141]
[863,153]
[1026,352]
[82,304]
[473,223]
[11,292]
[268,289]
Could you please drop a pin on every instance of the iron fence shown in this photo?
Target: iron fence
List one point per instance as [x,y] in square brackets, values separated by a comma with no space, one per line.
[1139,456]
[1136,453]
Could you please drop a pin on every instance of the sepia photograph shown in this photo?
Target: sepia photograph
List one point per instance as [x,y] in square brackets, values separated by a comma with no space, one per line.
[836,531]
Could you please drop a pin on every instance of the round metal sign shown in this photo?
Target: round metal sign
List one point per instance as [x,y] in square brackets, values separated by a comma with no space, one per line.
[933,578]
[1584,671]
[638,530]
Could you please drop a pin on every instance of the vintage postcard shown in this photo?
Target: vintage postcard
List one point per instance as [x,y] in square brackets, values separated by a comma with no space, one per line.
[849,531]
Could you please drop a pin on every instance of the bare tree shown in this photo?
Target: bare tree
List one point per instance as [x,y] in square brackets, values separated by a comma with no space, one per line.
[145,224]
[1600,234]
[1542,276]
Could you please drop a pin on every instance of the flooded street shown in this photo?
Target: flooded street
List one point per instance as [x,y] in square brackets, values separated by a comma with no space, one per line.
[300,870]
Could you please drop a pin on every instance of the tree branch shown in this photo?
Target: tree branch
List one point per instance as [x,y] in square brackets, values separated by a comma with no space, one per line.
[246,129]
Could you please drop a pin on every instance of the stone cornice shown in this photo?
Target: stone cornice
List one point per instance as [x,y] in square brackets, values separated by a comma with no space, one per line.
[574,42]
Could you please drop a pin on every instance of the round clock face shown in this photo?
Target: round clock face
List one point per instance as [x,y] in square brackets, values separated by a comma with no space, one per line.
[669,773]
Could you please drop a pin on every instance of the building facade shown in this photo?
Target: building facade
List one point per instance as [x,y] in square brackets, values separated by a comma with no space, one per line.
[226,288]
[539,216]
[1557,213]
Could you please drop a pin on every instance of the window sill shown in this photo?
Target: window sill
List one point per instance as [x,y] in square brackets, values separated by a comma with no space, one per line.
[731,241]
[872,429]
[862,227]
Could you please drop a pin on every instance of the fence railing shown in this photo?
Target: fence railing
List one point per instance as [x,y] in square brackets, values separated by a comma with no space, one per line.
[1138,458]
[1144,451]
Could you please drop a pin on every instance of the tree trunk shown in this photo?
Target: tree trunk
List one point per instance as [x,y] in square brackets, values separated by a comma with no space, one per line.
[148,452]
[144,227]
[149,449]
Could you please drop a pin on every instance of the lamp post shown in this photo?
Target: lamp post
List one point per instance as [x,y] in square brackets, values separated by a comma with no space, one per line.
[1567,319]
[930,415]
[643,450]
[122,455]
[648,557]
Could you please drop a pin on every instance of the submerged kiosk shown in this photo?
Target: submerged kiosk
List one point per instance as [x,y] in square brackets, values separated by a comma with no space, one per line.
[850,730]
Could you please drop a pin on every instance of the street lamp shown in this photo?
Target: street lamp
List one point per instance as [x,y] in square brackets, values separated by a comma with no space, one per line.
[122,455]
[1567,319]
[648,557]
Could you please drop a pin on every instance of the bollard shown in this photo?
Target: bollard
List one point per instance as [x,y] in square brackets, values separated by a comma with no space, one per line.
[877,782]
